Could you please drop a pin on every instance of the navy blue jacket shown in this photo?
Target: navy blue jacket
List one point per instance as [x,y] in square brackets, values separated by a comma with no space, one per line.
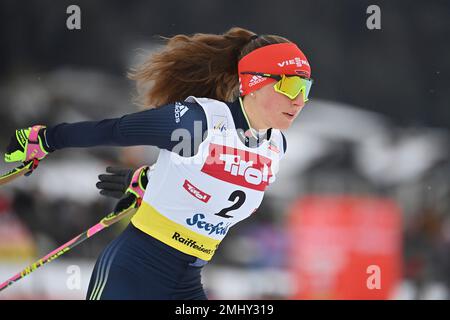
[150,127]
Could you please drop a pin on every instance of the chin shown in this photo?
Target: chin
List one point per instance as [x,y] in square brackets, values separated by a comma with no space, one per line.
[282,126]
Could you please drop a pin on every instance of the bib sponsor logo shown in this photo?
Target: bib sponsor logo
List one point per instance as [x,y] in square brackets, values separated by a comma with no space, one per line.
[191,243]
[239,167]
[198,221]
[197,193]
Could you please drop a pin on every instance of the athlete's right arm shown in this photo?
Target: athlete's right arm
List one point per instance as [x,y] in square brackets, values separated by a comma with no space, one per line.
[150,127]
[27,144]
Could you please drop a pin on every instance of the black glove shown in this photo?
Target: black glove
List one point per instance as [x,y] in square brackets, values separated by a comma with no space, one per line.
[115,184]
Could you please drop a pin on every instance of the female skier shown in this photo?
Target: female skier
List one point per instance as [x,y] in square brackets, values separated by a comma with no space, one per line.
[215,108]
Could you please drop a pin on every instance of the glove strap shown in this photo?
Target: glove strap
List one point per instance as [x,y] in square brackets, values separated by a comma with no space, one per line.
[135,186]
[34,148]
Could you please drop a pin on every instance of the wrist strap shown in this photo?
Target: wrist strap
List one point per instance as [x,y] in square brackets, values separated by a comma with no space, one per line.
[34,148]
[135,186]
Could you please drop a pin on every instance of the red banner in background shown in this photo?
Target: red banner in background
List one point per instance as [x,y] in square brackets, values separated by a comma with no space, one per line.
[345,247]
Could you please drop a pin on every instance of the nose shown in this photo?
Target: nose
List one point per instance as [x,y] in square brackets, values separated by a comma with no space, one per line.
[299,101]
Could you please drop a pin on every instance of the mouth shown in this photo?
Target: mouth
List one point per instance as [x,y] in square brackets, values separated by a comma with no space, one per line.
[289,115]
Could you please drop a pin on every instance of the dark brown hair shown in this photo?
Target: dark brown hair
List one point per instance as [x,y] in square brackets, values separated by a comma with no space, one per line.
[201,65]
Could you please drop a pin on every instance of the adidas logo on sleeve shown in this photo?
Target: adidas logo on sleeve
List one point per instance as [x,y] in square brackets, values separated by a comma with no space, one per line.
[180,110]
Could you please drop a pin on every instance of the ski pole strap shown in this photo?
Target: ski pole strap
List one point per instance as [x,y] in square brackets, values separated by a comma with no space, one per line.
[34,148]
[24,169]
[34,165]
[136,186]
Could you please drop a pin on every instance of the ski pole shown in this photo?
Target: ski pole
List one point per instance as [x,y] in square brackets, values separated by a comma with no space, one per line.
[124,207]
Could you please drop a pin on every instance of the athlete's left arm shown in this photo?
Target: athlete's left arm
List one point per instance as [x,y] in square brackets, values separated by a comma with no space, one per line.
[117,180]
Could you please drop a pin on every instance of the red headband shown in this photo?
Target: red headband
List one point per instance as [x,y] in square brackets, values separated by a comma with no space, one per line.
[280,58]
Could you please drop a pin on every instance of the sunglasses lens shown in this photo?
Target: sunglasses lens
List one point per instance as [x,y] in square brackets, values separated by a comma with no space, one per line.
[292,86]
[308,84]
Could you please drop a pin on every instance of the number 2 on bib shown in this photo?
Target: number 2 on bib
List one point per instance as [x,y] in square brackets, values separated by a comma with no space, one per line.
[238,194]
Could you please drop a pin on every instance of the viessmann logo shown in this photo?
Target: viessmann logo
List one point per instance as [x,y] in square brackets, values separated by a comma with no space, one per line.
[239,167]
[202,196]
[297,61]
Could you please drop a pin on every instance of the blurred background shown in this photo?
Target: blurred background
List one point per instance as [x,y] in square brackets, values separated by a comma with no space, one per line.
[361,206]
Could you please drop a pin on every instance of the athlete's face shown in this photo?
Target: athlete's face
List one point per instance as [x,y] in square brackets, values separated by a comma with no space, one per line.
[275,109]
